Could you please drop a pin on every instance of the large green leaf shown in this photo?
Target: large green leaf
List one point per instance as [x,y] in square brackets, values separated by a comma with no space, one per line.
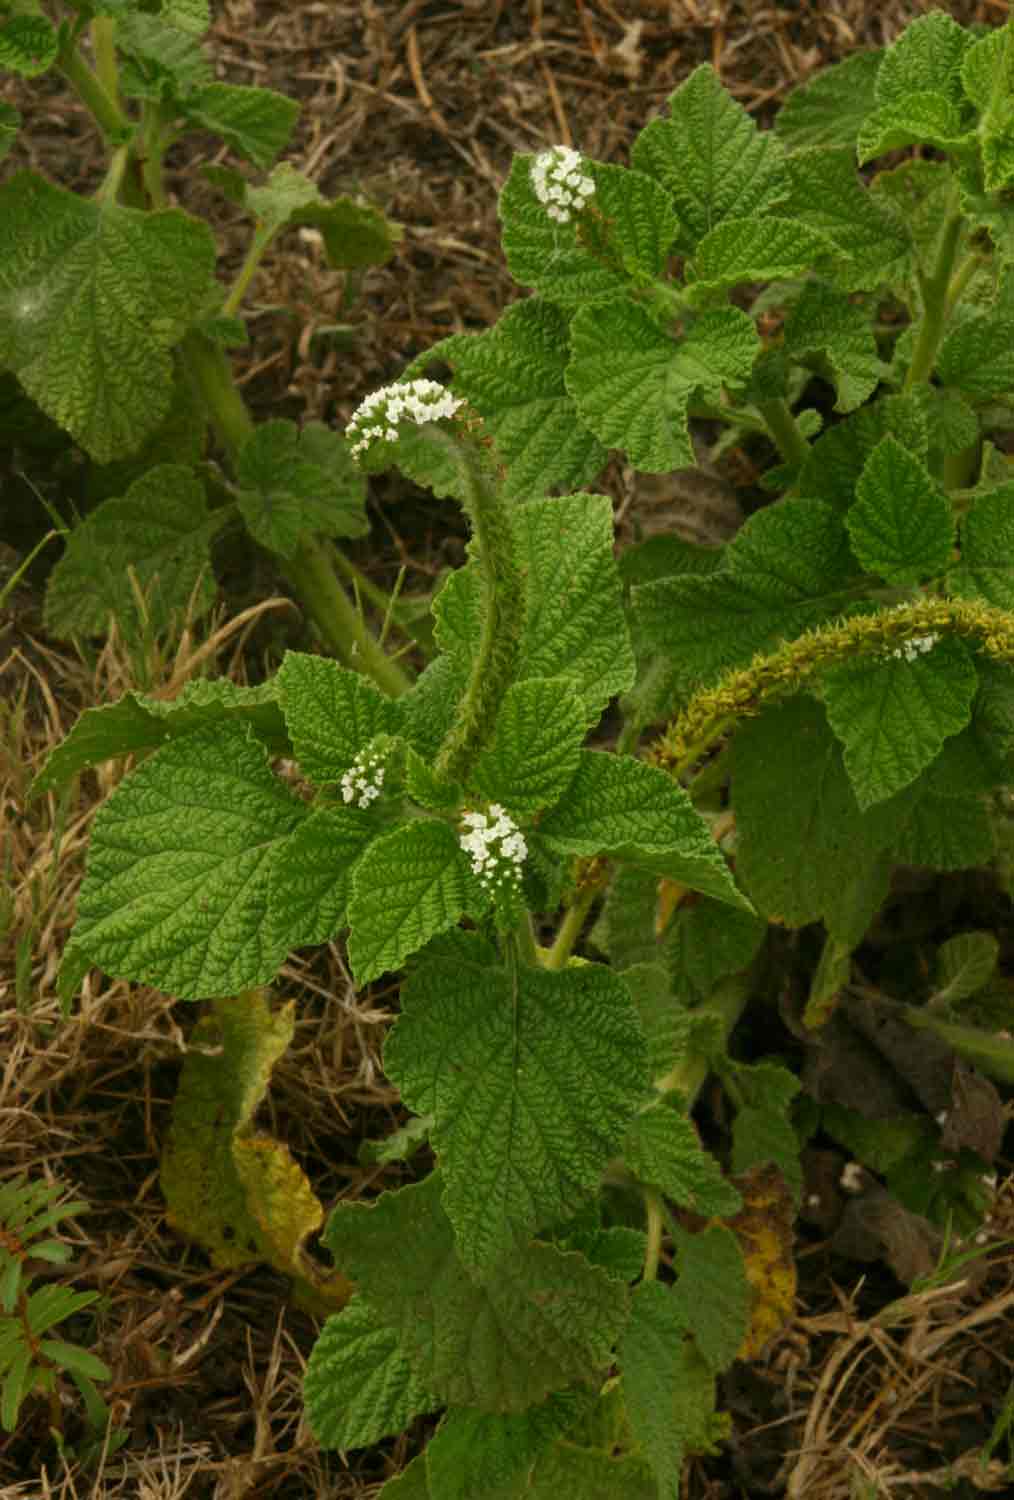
[829,108]
[806,851]
[295,483]
[788,568]
[901,524]
[893,716]
[138,723]
[986,568]
[668,1389]
[532,1079]
[711,157]
[92,298]
[535,747]
[827,194]
[311,875]
[358,1387]
[331,714]
[541,1320]
[161,529]
[560,261]
[618,805]
[176,887]
[410,885]
[485,1456]
[662,1149]
[632,383]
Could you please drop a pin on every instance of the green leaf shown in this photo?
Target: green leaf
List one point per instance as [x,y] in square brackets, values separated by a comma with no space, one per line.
[916,195]
[531,1081]
[355,234]
[632,383]
[669,1392]
[830,107]
[981,63]
[593,1473]
[10,124]
[331,714]
[952,423]
[514,377]
[293,483]
[712,1293]
[542,1320]
[977,356]
[626,930]
[535,747]
[892,716]
[176,887]
[70,1357]
[17,1382]
[409,885]
[410,1484]
[711,157]
[805,851]
[618,805]
[946,833]
[767,249]
[635,228]
[159,61]
[618,1250]
[918,119]
[928,55]
[825,321]
[965,965]
[50,1305]
[255,122]
[311,876]
[788,568]
[836,460]
[762,1130]
[993,1054]
[358,1387]
[901,524]
[485,1456]
[136,723]
[827,194]
[161,529]
[28,45]
[706,943]
[92,297]
[662,1150]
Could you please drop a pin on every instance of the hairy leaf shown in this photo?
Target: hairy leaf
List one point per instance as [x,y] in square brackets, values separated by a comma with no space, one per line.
[711,157]
[410,885]
[542,1320]
[618,805]
[535,747]
[255,122]
[662,1149]
[176,887]
[295,483]
[92,298]
[485,1456]
[825,321]
[712,1293]
[531,1079]
[331,714]
[901,524]
[358,1387]
[829,108]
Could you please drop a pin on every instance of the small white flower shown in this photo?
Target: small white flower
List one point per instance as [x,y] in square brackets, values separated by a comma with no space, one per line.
[363,780]
[916,647]
[852,1177]
[560,182]
[416,401]
[495,846]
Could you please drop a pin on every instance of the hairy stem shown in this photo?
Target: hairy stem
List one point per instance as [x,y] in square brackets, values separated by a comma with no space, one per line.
[104,46]
[503,611]
[590,885]
[255,253]
[784,430]
[104,110]
[935,304]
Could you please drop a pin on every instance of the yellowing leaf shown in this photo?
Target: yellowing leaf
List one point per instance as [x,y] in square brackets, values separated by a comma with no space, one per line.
[764,1230]
[237,1193]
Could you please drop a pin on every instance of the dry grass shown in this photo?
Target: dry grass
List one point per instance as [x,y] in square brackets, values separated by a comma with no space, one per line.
[421,105]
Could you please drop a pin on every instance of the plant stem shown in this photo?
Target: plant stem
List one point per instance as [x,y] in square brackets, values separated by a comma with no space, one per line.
[654,1227]
[935,306]
[110,188]
[728,1001]
[105,111]
[784,430]
[310,571]
[503,609]
[259,242]
[574,918]
[104,47]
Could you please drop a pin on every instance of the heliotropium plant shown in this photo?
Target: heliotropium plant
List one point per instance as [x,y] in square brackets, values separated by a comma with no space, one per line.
[835,682]
[115,328]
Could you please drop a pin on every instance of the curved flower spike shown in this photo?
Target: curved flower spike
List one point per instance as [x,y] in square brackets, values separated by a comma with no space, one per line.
[416,401]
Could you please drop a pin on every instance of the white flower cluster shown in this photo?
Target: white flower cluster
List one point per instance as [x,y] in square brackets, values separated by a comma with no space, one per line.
[495,845]
[917,646]
[560,182]
[417,400]
[363,780]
